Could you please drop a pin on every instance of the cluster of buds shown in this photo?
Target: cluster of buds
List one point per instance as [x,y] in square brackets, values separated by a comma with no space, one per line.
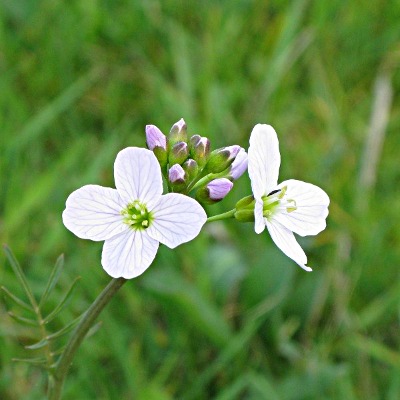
[188,164]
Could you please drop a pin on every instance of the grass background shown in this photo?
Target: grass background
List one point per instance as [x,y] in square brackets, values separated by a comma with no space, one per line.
[226,316]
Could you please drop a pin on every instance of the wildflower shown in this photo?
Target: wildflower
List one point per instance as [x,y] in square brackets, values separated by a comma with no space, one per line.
[133,218]
[291,206]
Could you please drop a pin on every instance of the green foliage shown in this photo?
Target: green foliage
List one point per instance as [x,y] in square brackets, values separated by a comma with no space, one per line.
[226,316]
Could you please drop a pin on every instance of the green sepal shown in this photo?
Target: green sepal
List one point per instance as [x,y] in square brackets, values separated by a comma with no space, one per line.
[161,155]
[244,215]
[245,202]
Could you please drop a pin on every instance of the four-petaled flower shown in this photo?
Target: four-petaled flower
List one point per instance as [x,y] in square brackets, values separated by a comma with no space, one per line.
[133,218]
[291,206]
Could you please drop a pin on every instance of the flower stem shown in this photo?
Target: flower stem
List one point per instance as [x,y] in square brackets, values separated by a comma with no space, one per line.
[61,369]
[226,215]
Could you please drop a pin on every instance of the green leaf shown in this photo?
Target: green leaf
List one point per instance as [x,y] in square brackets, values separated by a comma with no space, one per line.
[17,300]
[20,275]
[37,360]
[62,303]
[54,276]
[38,345]
[65,330]
[22,320]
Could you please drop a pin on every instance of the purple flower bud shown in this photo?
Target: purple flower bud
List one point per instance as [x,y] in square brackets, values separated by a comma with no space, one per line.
[239,165]
[155,138]
[219,188]
[179,153]
[178,132]
[221,159]
[214,191]
[200,149]
[176,174]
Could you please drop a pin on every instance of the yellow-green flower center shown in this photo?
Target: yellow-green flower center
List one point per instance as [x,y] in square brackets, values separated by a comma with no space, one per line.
[277,198]
[137,216]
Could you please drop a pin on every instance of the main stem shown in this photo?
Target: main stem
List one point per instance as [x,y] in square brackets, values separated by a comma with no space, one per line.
[63,364]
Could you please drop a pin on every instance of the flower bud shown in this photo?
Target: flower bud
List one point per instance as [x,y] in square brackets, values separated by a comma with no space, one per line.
[179,153]
[157,142]
[221,159]
[191,168]
[177,177]
[178,132]
[239,165]
[214,191]
[200,149]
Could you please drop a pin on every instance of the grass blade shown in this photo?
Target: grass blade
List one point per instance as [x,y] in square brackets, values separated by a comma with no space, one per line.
[54,276]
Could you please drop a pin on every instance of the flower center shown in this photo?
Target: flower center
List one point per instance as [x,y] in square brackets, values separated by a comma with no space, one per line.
[136,215]
[277,199]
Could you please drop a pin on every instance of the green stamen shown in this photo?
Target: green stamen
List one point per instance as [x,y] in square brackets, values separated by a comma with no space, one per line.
[137,216]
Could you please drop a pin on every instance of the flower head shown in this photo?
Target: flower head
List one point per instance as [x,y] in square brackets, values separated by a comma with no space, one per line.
[133,218]
[291,206]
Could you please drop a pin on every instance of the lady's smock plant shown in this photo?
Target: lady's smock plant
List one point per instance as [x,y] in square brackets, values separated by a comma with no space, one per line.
[134,217]
[291,206]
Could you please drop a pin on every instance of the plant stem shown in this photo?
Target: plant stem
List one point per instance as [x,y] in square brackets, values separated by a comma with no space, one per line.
[61,369]
[226,215]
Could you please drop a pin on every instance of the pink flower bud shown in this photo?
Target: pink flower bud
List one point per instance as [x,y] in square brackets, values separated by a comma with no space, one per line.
[219,188]
[176,174]
[239,165]
[155,138]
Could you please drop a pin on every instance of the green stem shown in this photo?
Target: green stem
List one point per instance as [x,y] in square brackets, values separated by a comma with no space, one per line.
[63,364]
[226,215]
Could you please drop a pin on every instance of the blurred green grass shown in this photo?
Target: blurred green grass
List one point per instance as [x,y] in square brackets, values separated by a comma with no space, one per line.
[226,316]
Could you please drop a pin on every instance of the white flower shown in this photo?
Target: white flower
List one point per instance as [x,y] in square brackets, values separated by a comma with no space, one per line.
[134,217]
[291,206]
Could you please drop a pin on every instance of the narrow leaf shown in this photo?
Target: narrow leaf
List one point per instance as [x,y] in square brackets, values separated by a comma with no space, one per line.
[62,303]
[22,320]
[37,345]
[38,360]
[64,330]
[20,275]
[54,276]
[17,300]
[56,353]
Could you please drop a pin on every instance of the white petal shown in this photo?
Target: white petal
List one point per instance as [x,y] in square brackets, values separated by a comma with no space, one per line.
[312,208]
[128,255]
[93,212]
[259,223]
[178,219]
[138,176]
[286,241]
[264,159]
